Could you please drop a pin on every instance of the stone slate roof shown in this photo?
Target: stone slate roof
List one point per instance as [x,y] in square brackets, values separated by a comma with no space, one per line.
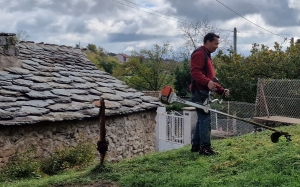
[58,83]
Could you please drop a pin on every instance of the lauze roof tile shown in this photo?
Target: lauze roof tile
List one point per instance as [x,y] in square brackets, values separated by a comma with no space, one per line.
[56,83]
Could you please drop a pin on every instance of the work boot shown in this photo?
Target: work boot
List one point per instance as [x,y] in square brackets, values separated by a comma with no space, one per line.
[207,151]
[195,148]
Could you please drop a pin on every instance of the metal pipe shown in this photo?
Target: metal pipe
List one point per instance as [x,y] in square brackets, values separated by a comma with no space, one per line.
[251,122]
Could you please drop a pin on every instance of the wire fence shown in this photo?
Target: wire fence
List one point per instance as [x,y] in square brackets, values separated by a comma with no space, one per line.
[278,97]
[277,103]
[233,127]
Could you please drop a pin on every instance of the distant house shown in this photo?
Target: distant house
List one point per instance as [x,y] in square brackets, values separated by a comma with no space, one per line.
[48,100]
[122,58]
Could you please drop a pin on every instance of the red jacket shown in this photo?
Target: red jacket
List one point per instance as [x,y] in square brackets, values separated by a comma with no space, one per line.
[198,72]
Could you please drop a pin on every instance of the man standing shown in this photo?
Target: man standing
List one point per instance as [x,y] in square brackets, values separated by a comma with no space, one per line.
[203,76]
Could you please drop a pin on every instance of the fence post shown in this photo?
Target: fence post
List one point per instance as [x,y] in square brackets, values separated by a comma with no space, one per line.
[160,129]
[189,121]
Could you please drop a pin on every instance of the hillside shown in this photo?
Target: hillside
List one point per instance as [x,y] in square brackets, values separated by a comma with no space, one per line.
[249,160]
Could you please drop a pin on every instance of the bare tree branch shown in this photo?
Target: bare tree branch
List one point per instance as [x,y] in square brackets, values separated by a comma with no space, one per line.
[22,35]
[194,32]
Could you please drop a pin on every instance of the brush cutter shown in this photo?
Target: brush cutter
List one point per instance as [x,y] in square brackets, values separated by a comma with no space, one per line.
[168,96]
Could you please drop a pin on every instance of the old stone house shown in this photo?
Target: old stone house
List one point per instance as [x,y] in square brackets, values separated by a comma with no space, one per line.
[122,58]
[47,101]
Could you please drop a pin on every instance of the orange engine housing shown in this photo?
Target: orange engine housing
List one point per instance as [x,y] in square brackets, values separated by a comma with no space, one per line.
[166,91]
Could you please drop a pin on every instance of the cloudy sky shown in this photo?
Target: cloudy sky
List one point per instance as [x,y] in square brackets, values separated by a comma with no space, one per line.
[121,26]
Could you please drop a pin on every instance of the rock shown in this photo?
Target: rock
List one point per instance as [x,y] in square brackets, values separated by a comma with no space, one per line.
[21,89]
[29,110]
[60,116]
[74,106]
[129,103]
[81,98]
[4,105]
[6,115]
[102,84]
[77,79]
[17,70]
[63,80]
[112,97]
[63,100]
[41,95]
[60,86]
[78,92]
[22,82]
[149,99]
[61,92]
[108,104]
[40,79]
[30,62]
[5,83]
[105,90]
[4,76]
[28,67]
[7,99]
[4,92]
[41,87]
[36,103]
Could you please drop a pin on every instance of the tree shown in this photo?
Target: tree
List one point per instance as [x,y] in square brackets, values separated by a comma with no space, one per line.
[182,78]
[108,64]
[22,35]
[194,32]
[92,48]
[149,69]
[100,58]
[240,74]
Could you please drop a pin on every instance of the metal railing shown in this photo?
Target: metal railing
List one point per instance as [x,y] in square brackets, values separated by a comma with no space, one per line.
[175,127]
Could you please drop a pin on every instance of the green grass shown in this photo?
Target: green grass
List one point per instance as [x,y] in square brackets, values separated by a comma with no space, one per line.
[249,160]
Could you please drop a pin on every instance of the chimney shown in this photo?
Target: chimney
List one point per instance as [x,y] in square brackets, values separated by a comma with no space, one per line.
[9,52]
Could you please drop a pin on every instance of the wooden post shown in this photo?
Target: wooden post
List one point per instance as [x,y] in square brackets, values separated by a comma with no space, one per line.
[264,99]
[234,39]
[102,144]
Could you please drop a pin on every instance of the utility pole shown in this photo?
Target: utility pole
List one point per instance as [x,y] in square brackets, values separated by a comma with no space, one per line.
[234,39]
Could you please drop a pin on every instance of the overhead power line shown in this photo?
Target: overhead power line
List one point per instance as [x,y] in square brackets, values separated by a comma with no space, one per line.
[160,14]
[261,33]
[249,20]
[163,15]
[170,17]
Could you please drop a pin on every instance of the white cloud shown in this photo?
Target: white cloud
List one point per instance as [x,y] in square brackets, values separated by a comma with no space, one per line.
[109,26]
[295,4]
[129,49]
[159,27]
[119,28]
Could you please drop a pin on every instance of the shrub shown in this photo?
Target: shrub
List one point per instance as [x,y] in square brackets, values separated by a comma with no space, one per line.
[175,106]
[22,165]
[68,158]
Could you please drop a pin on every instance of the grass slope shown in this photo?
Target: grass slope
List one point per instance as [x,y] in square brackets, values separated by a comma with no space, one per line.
[249,160]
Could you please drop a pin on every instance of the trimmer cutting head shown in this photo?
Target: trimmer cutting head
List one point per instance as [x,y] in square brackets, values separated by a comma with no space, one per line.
[276,135]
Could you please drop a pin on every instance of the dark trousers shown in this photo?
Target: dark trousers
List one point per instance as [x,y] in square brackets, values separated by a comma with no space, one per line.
[202,131]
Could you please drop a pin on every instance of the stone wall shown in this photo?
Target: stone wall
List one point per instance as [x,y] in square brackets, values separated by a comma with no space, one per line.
[152,93]
[128,136]
[9,51]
